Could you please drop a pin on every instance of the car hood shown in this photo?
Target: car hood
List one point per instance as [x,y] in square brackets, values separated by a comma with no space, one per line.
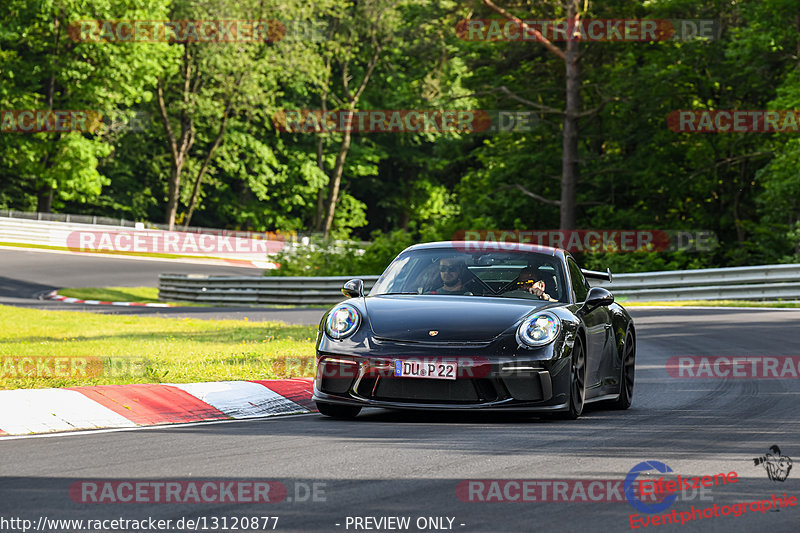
[455,318]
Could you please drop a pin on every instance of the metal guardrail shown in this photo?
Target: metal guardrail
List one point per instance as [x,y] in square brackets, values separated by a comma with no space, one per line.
[765,282]
[101,221]
[43,232]
[255,289]
[296,237]
[51,229]
[768,282]
[221,244]
[66,217]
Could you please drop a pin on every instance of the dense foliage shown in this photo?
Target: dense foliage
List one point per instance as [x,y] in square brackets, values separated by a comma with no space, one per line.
[205,145]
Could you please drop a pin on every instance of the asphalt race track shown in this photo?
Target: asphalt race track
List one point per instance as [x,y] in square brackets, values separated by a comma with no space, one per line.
[25,275]
[410,465]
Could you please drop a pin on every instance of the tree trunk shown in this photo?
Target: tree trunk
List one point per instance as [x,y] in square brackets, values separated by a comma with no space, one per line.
[207,161]
[569,133]
[569,155]
[44,200]
[173,193]
[319,212]
[352,99]
[737,196]
[179,148]
[336,181]
[797,25]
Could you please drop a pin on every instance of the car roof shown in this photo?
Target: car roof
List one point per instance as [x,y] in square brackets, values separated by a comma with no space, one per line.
[490,246]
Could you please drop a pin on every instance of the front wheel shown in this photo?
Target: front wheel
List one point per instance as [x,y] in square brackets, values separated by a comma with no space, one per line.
[342,412]
[628,372]
[577,382]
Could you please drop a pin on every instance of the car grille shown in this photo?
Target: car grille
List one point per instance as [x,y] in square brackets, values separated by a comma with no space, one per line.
[428,390]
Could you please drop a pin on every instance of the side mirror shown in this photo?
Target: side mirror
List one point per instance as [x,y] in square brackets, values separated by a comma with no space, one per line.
[354,288]
[597,297]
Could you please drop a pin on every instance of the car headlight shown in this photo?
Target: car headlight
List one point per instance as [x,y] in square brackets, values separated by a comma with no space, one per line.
[539,329]
[342,321]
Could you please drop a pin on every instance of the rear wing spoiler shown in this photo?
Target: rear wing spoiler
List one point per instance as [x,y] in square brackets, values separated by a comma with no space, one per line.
[594,274]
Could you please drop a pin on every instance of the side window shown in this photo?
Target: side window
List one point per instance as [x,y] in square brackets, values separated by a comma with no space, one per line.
[577,280]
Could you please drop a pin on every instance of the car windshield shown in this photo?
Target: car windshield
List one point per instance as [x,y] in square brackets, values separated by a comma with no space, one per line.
[446,271]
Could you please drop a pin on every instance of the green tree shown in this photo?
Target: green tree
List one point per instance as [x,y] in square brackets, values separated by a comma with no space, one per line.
[49,69]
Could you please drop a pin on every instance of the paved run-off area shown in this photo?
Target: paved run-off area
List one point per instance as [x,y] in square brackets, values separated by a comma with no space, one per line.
[412,464]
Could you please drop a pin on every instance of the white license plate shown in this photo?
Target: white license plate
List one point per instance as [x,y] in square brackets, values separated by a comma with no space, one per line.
[418,368]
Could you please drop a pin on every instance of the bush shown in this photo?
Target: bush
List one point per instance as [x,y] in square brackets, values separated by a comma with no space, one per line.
[342,258]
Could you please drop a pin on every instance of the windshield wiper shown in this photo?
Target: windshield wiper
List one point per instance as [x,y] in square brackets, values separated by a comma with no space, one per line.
[387,293]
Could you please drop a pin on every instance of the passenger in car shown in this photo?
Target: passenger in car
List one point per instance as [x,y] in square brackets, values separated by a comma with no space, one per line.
[529,281]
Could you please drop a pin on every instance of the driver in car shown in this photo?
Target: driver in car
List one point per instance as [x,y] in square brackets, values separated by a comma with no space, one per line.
[452,271]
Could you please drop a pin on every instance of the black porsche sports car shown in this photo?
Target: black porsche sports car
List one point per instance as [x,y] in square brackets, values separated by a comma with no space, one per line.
[476,325]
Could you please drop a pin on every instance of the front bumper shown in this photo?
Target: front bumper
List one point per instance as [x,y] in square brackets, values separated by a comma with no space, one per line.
[504,383]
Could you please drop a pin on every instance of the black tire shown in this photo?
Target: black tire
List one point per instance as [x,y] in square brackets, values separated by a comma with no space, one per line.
[627,375]
[342,412]
[577,382]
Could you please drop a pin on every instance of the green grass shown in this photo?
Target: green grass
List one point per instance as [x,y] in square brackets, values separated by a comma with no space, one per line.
[710,303]
[150,295]
[117,349]
[114,294]
[123,294]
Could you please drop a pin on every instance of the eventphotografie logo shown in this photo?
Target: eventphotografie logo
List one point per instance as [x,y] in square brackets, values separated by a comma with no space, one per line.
[633,496]
[668,487]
